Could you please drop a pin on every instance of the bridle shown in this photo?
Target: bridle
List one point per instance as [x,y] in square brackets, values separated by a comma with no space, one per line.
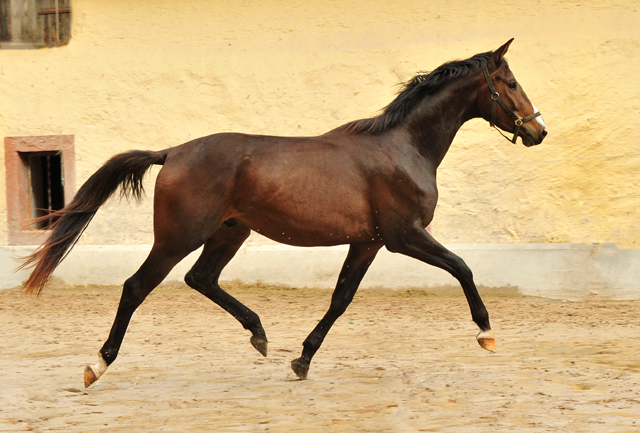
[495,97]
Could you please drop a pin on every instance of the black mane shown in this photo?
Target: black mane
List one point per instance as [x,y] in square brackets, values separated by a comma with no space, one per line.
[414,90]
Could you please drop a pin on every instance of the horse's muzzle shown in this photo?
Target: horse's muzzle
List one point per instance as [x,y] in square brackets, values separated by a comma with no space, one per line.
[529,139]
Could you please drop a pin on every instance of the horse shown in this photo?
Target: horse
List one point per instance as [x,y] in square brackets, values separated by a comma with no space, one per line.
[368,183]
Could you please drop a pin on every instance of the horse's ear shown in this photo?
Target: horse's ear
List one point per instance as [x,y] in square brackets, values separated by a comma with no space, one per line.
[498,54]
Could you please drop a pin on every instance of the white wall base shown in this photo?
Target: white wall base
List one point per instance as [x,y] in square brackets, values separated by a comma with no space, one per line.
[560,271]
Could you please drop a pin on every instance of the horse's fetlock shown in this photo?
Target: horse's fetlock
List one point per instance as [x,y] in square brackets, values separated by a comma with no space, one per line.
[312,344]
[482,320]
[109,355]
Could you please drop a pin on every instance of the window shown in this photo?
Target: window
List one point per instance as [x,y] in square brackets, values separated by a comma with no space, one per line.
[40,179]
[34,23]
[46,184]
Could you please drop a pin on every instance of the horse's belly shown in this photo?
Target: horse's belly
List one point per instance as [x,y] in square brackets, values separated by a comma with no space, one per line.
[309,226]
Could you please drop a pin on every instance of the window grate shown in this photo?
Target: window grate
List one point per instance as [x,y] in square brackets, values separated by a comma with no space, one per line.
[46,185]
[34,23]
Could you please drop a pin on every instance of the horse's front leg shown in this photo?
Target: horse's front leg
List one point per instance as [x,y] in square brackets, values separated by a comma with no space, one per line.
[353,270]
[416,242]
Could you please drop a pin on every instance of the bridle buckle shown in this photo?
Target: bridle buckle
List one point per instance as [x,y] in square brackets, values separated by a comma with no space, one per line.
[496,100]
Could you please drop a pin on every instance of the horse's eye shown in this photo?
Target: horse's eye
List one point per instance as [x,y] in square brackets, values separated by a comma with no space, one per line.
[513,86]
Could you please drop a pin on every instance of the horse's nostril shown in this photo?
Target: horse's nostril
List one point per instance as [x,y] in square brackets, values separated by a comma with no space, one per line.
[544,132]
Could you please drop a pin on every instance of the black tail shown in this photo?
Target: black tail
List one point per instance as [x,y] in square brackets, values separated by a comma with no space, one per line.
[125,170]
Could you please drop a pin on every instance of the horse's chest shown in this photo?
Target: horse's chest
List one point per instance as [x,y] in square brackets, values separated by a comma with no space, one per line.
[407,193]
[420,195]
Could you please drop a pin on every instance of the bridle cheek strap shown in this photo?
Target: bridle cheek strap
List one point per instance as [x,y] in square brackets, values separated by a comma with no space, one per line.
[495,100]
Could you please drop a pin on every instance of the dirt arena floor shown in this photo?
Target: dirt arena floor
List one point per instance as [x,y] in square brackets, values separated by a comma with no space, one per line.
[395,362]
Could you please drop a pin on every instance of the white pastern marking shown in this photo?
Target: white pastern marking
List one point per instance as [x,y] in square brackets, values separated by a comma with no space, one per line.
[485,335]
[100,367]
[539,118]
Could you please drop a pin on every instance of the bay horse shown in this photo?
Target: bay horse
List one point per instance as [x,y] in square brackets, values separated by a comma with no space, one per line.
[369,183]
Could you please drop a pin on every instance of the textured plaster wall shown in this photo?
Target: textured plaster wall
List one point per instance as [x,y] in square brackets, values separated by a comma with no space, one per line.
[152,74]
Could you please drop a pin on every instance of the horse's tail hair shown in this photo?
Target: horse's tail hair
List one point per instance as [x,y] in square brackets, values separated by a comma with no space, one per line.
[126,171]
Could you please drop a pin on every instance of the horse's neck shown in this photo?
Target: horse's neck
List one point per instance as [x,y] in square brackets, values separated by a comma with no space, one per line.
[436,120]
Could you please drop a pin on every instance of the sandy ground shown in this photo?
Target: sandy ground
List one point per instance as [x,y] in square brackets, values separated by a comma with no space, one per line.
[395,362]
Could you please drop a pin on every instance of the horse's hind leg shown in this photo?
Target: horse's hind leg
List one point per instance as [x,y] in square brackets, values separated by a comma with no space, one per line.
[154,269]
[218,250]
[353,270]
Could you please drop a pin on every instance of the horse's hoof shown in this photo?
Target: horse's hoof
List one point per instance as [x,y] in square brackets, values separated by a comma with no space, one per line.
[89,376]
[260,345]
[300,368]
[92,372]
[487,340]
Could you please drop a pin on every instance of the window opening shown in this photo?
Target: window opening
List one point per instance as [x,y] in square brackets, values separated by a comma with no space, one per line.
[26,24]
[46,185]
[40,178]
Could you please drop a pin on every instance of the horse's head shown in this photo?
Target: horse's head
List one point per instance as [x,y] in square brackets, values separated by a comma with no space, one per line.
[504,104]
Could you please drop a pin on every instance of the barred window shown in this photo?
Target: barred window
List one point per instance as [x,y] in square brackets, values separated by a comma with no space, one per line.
[40,179]
[34,23]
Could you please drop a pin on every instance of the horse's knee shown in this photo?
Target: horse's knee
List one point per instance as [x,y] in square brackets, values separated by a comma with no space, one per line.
[462,271]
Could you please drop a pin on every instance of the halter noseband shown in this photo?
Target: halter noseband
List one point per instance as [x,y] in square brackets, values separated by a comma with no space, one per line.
[495,97]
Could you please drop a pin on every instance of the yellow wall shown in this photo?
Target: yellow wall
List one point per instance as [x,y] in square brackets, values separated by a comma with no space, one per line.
[151,74]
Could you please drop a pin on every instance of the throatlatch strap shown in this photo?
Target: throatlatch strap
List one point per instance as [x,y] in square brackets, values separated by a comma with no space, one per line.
[492,122]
